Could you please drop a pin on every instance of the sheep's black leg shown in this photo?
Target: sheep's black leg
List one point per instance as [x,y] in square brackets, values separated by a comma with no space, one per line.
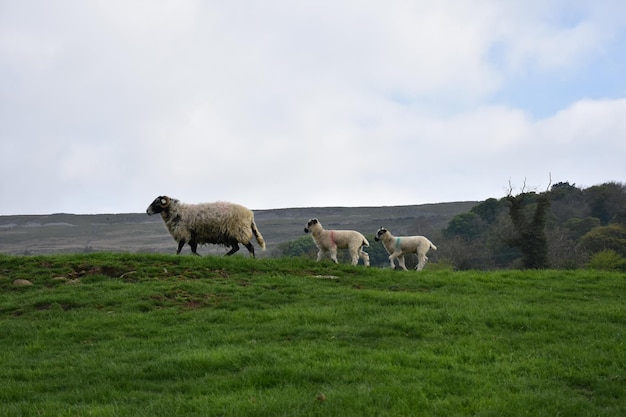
[181,243]
[250,248]
[194,247]
[235,248]
[193,244]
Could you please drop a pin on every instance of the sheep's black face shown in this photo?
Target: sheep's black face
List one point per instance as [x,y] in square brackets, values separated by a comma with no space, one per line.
[157,206]
[153,208]
[380,234]
[310,224]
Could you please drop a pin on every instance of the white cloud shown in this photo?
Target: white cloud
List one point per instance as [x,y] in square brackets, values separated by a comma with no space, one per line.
[560,36]
[311,103]
[588,123]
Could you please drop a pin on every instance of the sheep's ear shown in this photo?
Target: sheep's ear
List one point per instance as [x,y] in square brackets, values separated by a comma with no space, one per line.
[164,201]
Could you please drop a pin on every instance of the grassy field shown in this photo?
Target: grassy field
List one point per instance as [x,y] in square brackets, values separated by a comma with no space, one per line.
[159,335]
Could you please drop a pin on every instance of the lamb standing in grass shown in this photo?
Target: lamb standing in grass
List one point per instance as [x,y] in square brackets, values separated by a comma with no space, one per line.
[398,246]
[219,223]
[328,241]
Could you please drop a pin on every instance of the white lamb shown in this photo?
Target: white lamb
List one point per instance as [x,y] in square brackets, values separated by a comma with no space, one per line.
[328,241]
[398,246]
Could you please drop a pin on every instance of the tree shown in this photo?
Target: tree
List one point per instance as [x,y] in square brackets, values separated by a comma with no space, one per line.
[530,234]
[579,227]
[606,200]
[536,230]
[620,218]
[488,210]
[303,246]
[467,226]
[567,201]
[563,188]
[464,256]
[611,237]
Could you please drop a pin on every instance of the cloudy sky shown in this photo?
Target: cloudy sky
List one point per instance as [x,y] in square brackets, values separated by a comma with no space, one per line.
[105,105]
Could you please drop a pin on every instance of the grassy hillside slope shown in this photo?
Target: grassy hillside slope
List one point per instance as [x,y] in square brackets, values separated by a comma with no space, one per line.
[138,232]
[160,335]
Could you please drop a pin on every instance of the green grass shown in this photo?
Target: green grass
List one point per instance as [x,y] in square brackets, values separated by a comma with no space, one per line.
[156,335]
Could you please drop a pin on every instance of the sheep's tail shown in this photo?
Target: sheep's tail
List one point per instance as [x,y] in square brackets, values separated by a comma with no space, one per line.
[257,235]
[432,245]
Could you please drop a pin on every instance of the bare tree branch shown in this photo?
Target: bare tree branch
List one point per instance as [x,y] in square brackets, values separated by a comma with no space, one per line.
[550,182]
[510,192]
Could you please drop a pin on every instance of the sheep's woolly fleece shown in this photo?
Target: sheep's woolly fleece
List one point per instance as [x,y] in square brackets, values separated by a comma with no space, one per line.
[220,223]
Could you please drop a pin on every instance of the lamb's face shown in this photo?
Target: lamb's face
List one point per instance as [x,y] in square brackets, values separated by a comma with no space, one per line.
[379,235]
[310,225]
[158,205]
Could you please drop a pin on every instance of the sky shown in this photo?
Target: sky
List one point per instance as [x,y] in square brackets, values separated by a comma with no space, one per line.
[105,105]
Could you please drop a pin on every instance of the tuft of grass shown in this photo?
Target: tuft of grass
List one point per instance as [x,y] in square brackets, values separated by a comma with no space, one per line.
[160,335]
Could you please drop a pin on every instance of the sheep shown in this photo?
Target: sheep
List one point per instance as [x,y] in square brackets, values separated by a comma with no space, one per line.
[219,223]
[331,240]
[398,246]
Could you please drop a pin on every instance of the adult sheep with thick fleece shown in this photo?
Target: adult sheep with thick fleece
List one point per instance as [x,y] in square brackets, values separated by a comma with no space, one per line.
[219,223]
[398,246]
[328,241]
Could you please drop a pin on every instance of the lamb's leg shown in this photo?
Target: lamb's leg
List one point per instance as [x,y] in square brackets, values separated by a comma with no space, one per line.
[391,258]
[421,261]
[364,255]
[250,248]
[354,256]
[235,248]
[333,254]
[320,253]
[401,262]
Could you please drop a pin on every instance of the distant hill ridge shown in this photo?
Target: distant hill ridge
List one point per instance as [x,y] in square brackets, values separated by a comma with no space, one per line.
[137,232]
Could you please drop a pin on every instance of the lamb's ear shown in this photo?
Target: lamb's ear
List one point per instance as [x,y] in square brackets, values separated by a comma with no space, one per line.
[164,201]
